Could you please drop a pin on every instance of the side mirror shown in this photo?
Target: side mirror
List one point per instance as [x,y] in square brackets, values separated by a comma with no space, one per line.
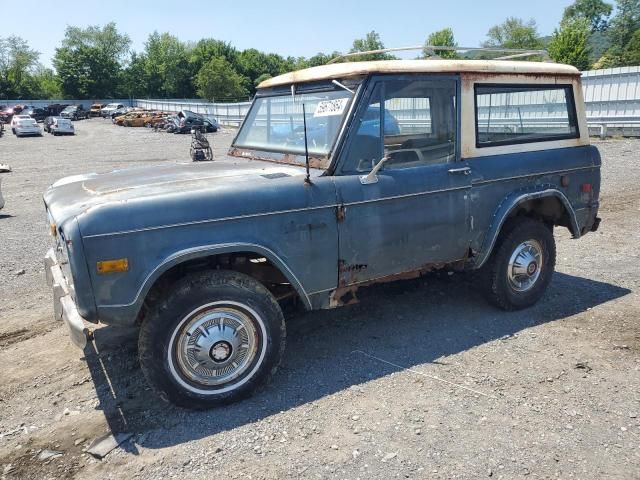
[372,176]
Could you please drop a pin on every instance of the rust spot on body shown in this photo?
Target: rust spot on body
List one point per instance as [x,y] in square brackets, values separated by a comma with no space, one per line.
[321,163]
[345,294]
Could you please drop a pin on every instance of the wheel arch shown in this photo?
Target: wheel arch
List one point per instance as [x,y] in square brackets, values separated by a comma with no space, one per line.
[201,255]
[549,205]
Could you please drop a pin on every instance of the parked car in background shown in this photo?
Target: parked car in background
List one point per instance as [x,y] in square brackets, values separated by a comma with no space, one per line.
[3,169]
[75,112]
[62,126]
[7,114]
[25,127]
[54,109]
[109,109]
[96,108]
[185,120]
[119,112]
[47,122]
[38,114]
[15,119]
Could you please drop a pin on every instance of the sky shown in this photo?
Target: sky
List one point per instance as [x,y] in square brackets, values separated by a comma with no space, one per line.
[287,27]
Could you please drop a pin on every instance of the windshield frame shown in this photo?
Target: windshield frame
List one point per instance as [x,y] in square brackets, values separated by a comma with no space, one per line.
[278,155]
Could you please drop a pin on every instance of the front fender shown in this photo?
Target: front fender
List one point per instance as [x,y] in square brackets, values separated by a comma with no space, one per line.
[508,205]
[127,314]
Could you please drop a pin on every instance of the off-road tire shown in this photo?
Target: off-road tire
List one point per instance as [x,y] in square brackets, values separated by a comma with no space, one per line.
[157,344]
[493,276]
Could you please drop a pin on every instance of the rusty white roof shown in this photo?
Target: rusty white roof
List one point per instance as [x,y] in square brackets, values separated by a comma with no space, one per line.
[354,69]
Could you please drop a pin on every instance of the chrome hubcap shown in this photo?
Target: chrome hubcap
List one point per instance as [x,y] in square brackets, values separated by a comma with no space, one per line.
[216,345]
[524,265]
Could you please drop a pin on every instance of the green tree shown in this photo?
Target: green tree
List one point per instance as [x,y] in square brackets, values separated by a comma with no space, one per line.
[371,41]
[262,78]
[166,67]
[596,12]
[625,23]
[320,59]
[621,32]
[570,43]
[253,63]
[18,63]
[89,62]
[514,33]
[134,80]
[441,38]
[217,80]
[208,48]
[631,54]
[46,83]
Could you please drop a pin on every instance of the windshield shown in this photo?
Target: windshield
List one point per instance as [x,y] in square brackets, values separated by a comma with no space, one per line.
[275,123]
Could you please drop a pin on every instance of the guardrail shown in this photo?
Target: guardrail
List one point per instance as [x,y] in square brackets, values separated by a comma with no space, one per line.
[230,114]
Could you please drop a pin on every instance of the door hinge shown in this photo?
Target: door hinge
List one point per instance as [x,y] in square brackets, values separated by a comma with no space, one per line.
[341,212]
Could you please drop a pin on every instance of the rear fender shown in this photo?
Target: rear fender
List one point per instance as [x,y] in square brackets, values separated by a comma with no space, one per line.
[509,205]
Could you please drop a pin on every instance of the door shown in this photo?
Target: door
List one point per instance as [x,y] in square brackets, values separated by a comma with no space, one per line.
[413,214]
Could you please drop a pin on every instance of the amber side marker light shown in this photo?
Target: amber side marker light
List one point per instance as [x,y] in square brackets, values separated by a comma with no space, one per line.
[113,266]
[53,230]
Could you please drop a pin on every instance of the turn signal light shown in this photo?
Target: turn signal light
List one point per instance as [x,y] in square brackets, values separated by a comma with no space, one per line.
[53,230]
[113,266]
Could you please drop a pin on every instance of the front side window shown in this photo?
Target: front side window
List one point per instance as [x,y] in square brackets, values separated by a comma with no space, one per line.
[511,114]
[275,123]
[419,126]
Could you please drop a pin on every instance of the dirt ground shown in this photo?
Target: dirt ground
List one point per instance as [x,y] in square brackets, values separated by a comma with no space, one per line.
[423,379]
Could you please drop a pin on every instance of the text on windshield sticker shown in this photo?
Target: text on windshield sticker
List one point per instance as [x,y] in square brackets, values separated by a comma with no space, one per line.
[327,108]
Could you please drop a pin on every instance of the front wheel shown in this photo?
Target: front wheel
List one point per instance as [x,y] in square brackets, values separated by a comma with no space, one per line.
[216,338]
[521,266]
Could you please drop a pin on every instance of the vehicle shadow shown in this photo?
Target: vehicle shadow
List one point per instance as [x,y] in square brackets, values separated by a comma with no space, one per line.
[408,323]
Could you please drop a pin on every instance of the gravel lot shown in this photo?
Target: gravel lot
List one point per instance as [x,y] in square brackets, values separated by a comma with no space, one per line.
[421,380]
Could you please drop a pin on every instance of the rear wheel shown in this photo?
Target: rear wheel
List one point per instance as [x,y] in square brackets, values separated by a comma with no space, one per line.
[521,265]
[216,338]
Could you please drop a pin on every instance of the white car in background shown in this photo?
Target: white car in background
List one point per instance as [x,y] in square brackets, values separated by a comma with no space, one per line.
[62,126]
[25,127]
[15,119]
[109,109]
[3,169]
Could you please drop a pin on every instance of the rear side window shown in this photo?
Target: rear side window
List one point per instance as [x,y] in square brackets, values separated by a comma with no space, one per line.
[512,114]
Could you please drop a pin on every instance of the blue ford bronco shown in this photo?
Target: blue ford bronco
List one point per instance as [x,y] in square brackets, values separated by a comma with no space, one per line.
[341,176]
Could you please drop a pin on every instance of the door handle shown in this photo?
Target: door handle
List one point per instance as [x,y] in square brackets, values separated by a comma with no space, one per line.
[463,170]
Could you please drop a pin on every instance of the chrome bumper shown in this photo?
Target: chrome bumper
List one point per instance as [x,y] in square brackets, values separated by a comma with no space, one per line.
[64,308]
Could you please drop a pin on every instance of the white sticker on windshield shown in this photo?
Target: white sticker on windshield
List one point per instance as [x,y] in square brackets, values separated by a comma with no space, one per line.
[327,108]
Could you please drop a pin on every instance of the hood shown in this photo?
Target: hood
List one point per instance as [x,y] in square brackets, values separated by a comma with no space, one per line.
[157,186]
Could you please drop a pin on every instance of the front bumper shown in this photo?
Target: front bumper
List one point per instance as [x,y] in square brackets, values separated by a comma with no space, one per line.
[64,308]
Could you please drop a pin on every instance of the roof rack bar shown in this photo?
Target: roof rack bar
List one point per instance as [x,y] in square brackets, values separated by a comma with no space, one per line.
[517,52]
[525,54]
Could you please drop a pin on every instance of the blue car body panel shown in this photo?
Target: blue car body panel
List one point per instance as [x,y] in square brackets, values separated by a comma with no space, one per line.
[326,236]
